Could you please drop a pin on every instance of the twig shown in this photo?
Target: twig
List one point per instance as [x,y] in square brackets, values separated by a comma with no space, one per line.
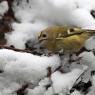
[80,76]
[15,49]
[49,72]
[22,90]
[32,51]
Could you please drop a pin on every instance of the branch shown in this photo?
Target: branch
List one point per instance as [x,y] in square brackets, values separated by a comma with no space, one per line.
[32,51]
[80,75]
[22,90]
[15,49]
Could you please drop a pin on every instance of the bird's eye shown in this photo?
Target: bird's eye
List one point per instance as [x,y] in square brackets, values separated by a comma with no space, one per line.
[44,35]
[71,30]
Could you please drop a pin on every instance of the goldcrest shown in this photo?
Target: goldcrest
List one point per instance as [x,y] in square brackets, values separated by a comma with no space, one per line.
[66,39]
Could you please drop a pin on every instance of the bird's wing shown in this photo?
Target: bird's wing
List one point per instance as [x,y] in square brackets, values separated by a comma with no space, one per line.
[89,30]
[65,35]
[68,33]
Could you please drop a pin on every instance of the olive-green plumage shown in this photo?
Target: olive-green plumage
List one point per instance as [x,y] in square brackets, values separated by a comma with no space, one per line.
[69,39]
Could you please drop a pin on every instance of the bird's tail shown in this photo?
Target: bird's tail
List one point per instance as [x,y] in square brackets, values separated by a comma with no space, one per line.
[89,30]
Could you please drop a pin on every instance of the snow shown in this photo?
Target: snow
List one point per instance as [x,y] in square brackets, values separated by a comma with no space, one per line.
[40,90]
[90,43]
[3,8]
[82,18]
[67,12]
[92,90]
[49,91]
[21,68]
[62,83]
[88,59]
[7,86]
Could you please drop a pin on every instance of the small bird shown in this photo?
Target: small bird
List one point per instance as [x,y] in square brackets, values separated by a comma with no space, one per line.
[62,38]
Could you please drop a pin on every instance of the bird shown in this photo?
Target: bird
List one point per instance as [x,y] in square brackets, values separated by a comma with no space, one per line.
[64,39]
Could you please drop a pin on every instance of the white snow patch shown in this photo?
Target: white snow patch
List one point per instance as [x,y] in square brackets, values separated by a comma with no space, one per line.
[3,7]
[25,66]
[62,83]
[88,59]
